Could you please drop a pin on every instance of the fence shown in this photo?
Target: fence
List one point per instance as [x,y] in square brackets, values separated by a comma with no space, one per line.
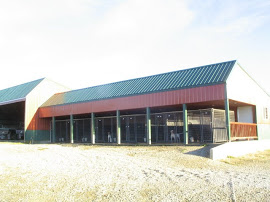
[243,130]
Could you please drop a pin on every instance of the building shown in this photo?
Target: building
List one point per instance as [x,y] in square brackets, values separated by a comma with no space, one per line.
[213,103]
[19,108]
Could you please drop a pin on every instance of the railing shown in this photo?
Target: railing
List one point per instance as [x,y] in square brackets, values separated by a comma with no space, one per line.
[243,131]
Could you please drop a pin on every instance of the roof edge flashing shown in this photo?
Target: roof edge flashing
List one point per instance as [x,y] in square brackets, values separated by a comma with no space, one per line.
[253,79]
[230,73]
[12,101]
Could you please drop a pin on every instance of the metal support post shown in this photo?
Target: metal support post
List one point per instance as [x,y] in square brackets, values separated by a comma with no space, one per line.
[93,132]
[228,123]
[53,130]
[185,124]
[227,114]
[148,121]
[71,129]
[118,127]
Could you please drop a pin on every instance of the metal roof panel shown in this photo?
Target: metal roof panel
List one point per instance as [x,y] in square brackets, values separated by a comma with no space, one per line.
[187,78]
[18,92]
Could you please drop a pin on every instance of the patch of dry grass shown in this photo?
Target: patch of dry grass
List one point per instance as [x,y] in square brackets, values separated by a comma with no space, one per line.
[42,148]
[257,158]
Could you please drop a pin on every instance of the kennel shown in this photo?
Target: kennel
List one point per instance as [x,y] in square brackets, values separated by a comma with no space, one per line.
[208,125]
[205,125]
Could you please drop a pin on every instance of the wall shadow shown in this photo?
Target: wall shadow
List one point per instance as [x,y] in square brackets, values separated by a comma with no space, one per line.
[204,151]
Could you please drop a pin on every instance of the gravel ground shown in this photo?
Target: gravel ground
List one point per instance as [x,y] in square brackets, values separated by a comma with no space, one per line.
[128,173]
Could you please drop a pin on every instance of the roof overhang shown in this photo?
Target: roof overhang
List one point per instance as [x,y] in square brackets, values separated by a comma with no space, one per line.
[12,101]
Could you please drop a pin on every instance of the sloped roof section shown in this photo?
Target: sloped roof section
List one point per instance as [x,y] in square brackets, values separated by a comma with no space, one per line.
[187,78]
[17,93]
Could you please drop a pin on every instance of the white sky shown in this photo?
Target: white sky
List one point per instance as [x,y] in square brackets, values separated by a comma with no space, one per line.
[81,43]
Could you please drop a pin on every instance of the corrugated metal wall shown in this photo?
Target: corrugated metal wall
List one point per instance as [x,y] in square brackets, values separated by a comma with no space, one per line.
[191,95]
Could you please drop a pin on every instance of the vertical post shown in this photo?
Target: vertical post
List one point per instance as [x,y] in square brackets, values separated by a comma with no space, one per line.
[227,114]
[71,129]
[148,125]
[53,130]
[118,127]
[93,132]
[256,121]
[185,124]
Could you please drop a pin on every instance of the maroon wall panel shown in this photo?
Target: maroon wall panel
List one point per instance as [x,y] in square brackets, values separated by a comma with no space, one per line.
[39,124]
[183,96]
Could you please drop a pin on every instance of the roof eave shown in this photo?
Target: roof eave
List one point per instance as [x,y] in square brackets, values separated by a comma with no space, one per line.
[12,101]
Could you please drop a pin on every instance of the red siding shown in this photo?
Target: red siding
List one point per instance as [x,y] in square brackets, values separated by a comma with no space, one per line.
[183,96]
[39,124]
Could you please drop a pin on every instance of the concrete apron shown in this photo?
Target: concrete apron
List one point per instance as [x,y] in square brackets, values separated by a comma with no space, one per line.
[238,148]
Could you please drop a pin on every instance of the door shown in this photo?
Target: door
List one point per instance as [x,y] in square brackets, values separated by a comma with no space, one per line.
[206,130]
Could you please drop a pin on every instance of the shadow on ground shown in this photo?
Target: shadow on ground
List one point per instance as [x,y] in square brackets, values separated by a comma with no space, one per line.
[204,151]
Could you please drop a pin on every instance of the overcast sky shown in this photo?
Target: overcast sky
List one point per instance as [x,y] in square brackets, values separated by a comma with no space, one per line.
[82,43]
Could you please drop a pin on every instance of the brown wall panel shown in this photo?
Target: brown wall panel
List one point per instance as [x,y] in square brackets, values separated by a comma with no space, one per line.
[192,95]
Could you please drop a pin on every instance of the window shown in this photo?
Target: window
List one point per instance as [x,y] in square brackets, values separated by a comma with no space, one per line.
[265,113]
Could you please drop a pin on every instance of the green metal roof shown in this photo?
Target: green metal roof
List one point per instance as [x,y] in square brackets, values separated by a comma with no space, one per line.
[17,92]
[187,78]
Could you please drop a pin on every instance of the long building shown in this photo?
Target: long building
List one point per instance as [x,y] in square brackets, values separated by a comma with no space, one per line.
[212,103]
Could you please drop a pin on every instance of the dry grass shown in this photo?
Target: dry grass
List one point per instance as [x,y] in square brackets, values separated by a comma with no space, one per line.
[258,159]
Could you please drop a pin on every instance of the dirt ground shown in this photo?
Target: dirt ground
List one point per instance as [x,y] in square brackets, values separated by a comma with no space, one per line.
[129,173]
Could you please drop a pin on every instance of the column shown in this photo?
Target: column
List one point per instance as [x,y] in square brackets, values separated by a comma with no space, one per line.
[53,130]
[227,114]
[185,124]
[256,121]
[118,127]
[148,125]
[93,132]
[71,129]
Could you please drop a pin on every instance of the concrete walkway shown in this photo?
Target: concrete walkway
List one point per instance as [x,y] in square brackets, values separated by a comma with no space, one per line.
[238,148]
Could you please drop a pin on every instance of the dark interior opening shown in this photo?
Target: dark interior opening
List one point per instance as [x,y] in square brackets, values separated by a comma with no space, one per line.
[12,121]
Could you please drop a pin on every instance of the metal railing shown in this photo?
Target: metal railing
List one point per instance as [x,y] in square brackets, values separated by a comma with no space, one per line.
[243,130]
